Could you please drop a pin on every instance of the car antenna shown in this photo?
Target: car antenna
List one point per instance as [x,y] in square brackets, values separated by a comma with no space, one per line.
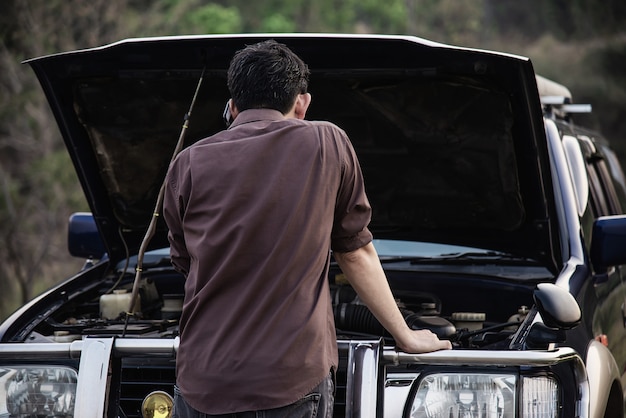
[157,208]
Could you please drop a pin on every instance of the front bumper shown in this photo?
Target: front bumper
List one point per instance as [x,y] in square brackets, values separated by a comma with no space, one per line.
[379,381]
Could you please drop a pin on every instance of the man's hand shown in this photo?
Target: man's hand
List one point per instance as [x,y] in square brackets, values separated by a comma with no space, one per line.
[422,341]
[364,272]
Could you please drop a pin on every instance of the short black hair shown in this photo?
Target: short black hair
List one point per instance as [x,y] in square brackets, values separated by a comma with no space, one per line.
[267,75]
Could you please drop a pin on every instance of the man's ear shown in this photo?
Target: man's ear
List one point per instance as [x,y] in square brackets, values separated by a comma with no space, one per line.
[302,104]
[233,109]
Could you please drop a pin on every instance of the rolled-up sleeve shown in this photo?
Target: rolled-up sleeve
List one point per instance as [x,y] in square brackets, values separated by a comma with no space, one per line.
[353,211]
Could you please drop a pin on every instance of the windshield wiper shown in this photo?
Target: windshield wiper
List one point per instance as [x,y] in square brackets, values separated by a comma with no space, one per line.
[403,259]
[478,256]
[463,258]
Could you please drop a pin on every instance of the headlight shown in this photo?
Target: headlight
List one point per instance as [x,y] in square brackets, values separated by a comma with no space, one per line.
[37,391]
[484,395]
[465,395]
[540,397]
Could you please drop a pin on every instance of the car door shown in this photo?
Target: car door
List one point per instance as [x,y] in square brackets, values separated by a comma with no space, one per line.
[606,185]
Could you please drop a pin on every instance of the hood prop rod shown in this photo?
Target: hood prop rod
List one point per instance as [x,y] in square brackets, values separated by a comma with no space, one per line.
[157,209]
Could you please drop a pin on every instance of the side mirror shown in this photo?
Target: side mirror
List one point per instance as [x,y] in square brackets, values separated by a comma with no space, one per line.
[557,306]
[83,238]
[608,243]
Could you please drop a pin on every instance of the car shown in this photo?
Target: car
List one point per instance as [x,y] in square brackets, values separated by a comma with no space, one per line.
[498,221]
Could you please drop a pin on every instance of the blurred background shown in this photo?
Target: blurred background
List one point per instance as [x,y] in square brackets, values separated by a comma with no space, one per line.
[579,43]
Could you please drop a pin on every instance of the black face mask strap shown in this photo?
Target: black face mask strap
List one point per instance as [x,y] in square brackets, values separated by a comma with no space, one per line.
[158,205]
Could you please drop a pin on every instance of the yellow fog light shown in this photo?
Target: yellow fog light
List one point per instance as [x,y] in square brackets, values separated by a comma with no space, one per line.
[157,404]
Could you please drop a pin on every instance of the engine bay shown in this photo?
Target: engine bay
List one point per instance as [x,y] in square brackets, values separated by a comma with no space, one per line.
[471,312]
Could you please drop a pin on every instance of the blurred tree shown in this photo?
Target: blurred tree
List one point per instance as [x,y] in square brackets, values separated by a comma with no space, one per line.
[602,82]
[39,189]
[457,22]
[190,17]
[213,18]
[564,19]
[276,23]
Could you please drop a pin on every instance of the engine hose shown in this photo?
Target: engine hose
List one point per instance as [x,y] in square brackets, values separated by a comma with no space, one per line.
[357,318]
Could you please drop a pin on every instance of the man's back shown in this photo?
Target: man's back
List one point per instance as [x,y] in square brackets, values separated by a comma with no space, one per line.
[258,204]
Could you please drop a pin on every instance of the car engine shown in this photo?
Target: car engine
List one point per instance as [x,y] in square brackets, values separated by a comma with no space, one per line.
[102,312]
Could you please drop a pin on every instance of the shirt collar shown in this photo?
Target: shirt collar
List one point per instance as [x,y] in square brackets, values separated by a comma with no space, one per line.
[255,115]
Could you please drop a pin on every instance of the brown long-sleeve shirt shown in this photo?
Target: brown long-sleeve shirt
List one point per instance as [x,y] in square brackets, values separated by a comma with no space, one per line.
[253,213]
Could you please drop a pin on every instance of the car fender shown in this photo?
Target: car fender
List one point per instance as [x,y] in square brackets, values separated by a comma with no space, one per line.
[602,372]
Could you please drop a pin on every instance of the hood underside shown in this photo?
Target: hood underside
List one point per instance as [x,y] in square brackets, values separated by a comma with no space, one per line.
[450,140]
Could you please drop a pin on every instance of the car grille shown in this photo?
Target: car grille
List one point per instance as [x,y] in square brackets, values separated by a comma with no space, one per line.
[140,376]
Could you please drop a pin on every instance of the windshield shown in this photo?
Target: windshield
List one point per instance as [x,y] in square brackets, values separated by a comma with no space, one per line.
[418,256]
[445,258]
[398,248]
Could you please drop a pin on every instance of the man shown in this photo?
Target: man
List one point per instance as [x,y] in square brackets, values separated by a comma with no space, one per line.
[253,213]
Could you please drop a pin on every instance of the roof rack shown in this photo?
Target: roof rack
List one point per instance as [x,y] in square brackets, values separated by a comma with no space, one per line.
[556,100]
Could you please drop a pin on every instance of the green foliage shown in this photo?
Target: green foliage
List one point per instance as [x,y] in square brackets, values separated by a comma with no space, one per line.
[277,23]
[213,18]
[458,22]
[382,17]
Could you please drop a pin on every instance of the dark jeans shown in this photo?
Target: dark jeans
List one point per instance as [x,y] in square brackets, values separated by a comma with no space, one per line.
[317,404]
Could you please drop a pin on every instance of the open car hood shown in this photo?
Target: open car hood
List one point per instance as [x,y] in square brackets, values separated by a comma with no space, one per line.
[451,140]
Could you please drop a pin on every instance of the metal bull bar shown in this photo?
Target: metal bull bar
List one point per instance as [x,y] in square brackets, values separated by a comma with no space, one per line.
[365,369]
[95,354]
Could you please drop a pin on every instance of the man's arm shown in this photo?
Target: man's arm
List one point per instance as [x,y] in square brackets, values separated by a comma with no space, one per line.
[365,273]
